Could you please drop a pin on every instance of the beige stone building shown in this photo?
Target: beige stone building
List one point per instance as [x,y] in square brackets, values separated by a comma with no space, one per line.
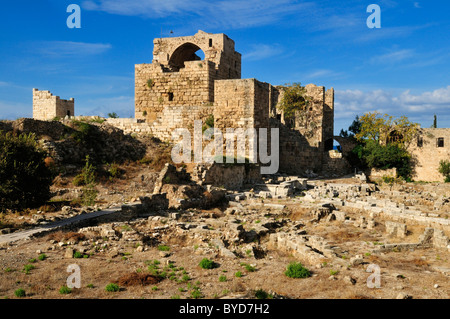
[179,87]
[47,106]
[430,147]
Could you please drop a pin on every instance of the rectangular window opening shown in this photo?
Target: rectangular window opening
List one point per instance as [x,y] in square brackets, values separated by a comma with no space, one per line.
[210,43]
[170,96]
[419,141]
[440,142]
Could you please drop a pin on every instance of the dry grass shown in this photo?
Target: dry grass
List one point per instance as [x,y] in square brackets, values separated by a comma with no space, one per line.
[61,236]
[137,279]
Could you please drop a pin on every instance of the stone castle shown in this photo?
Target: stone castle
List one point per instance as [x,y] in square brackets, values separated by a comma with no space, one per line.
[179,87]
[46,106]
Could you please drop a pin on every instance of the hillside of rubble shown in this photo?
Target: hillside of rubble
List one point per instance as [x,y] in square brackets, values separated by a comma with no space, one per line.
[210,231]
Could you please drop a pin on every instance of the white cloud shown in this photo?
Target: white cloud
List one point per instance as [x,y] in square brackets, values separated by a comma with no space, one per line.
[418,107]
[13,110]
[122,105]
[262,51]
[224,13]
[417,5]
[393,57]
[70,49]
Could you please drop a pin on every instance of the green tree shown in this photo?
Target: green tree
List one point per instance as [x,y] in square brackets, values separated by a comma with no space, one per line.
[444,169]
[382,142]
[384,129]
[293,100]
[24,177]
[113,115]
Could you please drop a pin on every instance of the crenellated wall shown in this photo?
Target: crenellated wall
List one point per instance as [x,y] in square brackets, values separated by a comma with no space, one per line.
[46,106]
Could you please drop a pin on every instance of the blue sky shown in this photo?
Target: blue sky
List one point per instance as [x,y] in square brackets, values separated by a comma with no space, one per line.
[402,68]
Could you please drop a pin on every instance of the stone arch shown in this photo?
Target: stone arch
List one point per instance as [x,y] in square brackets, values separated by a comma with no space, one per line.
[185,52]
[333,144]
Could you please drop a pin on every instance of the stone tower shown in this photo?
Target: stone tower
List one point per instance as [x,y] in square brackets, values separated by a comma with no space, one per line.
[177,76]
[46,106]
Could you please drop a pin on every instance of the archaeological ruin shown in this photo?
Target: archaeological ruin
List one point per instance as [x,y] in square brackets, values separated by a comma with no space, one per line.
[178,88]
[47,106]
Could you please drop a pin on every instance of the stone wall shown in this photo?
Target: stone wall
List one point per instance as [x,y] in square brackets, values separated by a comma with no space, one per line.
[191,85]
[241,104]
[229,176]
[303,139]
[46,106]
[427,153]
[218,49]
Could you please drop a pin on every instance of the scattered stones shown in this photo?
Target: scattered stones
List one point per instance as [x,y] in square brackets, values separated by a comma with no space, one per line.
[403,296]
[68,253]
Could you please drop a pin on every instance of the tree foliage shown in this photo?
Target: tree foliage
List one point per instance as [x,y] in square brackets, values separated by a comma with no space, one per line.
[25,179]
[375,155]
[385,129]
[353,129]
[444,169]
[294,99]
[382,142]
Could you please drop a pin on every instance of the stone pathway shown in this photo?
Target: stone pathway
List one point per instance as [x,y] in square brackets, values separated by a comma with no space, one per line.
[7,238]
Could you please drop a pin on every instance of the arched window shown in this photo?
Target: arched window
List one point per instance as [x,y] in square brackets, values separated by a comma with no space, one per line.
[184,53]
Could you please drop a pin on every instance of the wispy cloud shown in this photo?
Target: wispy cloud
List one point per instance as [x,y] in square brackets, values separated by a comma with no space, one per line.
[418,106]
[417,5]
[323,73]
[13,110]
[389,33]
[65,49]
[262,51]
[393,57]
[224,13]
[122,105]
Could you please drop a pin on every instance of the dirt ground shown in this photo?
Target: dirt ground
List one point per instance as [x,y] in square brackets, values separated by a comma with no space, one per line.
[416,274]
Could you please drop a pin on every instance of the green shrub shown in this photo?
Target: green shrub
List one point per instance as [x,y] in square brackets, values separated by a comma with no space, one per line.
[27,268]
[77,254]
[261,294]
[293,100]
[25,178]
[375,155]
[222,278]
[112,287]
[444,169]
[163,248]
[20,293]
[210,120]
[42,257]
[88,180]
[296,270]
[207,264]
[248,267]
[64,290]
[238,274]
[113,115]
[196,293]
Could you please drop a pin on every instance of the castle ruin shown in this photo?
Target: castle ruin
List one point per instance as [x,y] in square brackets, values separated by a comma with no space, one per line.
[179,87]
[47,106]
